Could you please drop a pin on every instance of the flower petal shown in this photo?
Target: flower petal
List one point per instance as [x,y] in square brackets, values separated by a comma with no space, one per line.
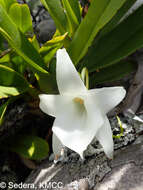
[56,145]
[53,104]
[104,136]
[107,98]
[76,129]
[68,79]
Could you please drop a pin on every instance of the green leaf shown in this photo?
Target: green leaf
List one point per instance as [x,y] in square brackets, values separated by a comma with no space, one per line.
[8,28]
[75,6]
[31,147]
[6,92]
[49,49]
[11,82]
[55,40]
[125,39]
[26,50]
[18,41]
[114,21]
[18,64]
[5,59]
[31,56]
[51,52]
[3,108]
[7,4]
[20,14]
[34,42]
[1,43]
[99,14]
[9,77]
[112,73]
[70,6]
[56,11]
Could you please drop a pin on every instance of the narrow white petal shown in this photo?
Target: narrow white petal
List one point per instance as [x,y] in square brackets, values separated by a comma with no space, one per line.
[95,115]
[76,129]
[104,136]
[53,104]
[70,132]
[56,145]
[68,79]
[107,98]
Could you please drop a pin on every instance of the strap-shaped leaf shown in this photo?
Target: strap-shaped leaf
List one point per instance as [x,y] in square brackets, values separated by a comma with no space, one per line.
[6,92]
[99,14]
[5,59]
[115,20]
[56,11]
[11,82]
[69,6]
[55,40]
[4,106]
[8,28]
[10,78]
[35,42]
[7,3]
[126,38]
[26,50]
[52,51]
[18,41]
[21,16]
[75,6]
[112,73]
[3,109]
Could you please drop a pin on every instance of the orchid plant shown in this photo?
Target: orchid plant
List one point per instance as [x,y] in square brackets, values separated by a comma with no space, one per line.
[98,39]
[80,113]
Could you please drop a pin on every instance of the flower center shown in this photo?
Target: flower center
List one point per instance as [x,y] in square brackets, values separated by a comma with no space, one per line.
[78,100]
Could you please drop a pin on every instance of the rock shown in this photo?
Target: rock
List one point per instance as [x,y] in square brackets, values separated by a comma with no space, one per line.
[33,4]
[45,30]
[71,173]
[125,172]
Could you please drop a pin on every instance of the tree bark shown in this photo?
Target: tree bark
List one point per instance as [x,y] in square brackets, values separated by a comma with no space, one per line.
[124,172]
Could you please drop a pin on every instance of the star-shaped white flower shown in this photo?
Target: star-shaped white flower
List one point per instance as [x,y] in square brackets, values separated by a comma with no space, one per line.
[80,113]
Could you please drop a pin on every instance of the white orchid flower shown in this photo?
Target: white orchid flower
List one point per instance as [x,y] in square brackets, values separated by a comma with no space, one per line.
[80,113]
